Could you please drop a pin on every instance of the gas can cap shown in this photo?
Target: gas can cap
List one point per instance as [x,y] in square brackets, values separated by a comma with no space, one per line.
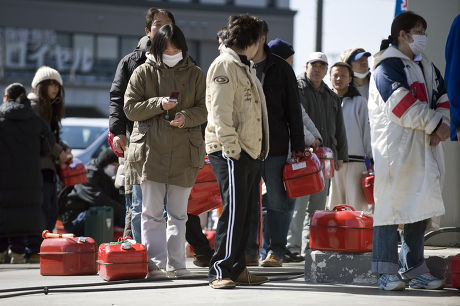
[82,239]
[126,245]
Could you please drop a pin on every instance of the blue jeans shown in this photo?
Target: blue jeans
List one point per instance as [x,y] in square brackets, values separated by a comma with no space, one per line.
[136,198]
[279,205]
[77,226]
[411,262]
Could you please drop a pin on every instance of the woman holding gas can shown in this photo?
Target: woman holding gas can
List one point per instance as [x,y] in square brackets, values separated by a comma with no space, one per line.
[166,99]
[409,116]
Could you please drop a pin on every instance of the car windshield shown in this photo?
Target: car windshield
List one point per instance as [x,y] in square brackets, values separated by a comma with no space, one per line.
[80,137]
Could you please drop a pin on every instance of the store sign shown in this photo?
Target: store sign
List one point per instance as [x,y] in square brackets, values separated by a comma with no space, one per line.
[31,48]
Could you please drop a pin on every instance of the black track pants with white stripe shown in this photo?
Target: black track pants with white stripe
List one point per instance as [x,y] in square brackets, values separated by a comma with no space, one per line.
[238,181]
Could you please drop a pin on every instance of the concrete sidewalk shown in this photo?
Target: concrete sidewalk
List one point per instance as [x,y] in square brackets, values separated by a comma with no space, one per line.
[197,292]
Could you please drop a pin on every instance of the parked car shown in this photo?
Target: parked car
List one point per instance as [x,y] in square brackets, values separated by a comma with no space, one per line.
[87,137]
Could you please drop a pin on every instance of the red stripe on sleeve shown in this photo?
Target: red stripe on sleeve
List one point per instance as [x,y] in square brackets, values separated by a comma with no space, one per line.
[443,105]
[404,105]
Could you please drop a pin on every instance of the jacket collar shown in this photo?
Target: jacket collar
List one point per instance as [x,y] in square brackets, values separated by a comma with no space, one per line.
[393,52]
[229,53]
[352,92]
[183,64]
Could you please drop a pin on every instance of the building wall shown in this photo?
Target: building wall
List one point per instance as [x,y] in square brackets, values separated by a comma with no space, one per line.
[85,39]
[439,16]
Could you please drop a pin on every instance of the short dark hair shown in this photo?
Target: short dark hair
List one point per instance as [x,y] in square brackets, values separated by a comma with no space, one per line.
[222,33]
[150,16]
[171,33]
[405,22]
[342,64]
[243,31]
[16,92]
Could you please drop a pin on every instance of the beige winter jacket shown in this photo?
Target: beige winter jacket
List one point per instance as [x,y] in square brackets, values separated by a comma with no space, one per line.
[158,151]
[237,114]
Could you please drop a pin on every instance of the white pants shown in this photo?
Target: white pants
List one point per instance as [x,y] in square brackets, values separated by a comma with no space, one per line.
[165,244]
[346,187]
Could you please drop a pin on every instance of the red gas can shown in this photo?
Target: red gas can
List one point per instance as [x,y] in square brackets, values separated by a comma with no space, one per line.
[304,176]
[367,182]
[455,266]
[73,173]
[326,157]
[125,259]
[341,229]
[68,256]
[205,194]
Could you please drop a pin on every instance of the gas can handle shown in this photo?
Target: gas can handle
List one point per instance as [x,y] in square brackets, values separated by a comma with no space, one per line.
[47,234]
[124,238]
[343,207]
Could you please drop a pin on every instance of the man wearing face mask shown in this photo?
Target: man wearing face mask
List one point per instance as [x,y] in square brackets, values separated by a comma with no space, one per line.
[357,58]
[99,190]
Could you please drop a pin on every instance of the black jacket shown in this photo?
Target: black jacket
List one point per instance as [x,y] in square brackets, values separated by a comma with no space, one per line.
[24,137]
[99,190]
[118,123]
[283,106]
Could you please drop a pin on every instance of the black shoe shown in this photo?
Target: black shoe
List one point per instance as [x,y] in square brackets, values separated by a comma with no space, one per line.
[202,260]
[293,257]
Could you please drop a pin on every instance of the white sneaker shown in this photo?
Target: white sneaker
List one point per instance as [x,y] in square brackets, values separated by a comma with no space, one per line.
[426,281]
[156,274]
[178,273]
[391,282]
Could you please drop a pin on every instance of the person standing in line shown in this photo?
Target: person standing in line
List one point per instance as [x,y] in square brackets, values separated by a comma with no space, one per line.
[47,100]
[346,183]
[166,99]
[25,137]
[453,77]
[286,135]
[409,117]
[119,125]
[324,108]
[236,138]
[358,59]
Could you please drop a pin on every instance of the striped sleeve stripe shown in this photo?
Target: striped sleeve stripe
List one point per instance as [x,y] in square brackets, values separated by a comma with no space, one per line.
[404,105]
[443,105]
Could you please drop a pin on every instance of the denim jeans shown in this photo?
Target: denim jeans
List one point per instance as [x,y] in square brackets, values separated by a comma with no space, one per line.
[136,198]
[411,262]
[77,226]
[279,205]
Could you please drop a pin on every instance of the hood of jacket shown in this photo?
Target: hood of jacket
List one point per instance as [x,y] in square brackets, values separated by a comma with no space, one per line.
[185,63]
[391,52]
[144,43]
[15,111]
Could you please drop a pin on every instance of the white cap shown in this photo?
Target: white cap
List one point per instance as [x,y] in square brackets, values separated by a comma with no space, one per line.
[46,73]
[317,57]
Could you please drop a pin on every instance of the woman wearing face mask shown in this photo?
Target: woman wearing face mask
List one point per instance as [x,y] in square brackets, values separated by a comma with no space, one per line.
[166,146]
[47,100]
[409,116]
[99,190]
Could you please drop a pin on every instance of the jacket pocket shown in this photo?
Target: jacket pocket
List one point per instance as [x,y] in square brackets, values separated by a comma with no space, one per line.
[136,149]
[196,149]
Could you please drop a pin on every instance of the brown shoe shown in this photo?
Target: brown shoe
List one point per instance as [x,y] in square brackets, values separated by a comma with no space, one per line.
[224,283]
[248,279]
[252,262]
[272,260]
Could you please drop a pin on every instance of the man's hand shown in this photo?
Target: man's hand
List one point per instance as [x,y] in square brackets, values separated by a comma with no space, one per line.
[316,143]
[434,140]
[237,157]
[179,120]
[119,143]
[443,131]
[339,165]
[168,105]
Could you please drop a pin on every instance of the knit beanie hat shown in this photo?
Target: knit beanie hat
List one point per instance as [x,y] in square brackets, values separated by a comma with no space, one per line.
[281,48]
[46,73]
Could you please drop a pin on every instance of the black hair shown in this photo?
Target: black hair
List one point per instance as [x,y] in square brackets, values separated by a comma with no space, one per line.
[243,31]
[403,22]
[16,92]
[150,16]
[171,33]
[342,64]
[222,33]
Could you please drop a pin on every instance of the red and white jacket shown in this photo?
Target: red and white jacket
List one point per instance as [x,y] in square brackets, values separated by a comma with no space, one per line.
[407,101]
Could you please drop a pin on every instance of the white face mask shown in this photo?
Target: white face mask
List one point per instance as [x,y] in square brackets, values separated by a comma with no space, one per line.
[418,45]
[172,60]
[110,170]
[361,75]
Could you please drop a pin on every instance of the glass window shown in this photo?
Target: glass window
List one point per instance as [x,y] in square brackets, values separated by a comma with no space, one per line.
[107,47]
[84,41]
[255,3]
[80,137]
[128,44]
[213,1]
[64,40]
